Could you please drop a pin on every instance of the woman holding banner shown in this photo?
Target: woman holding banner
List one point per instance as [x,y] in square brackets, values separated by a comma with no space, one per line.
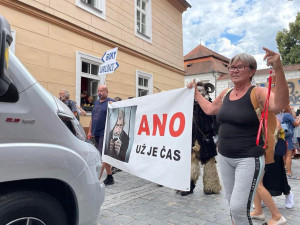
[241,160]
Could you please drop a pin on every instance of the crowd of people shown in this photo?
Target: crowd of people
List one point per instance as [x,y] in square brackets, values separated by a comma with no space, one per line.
[97,124]
[242,157]
[248,170]
[86,101]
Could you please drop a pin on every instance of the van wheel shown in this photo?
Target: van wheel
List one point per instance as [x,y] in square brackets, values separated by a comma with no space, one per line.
[30,207]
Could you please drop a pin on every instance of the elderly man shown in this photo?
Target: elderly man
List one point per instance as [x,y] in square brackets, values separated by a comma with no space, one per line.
[118,139]
[64,96]
[97,127]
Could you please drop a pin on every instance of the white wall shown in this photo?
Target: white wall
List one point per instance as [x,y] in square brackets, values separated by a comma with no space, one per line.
[206,78]
[223,84]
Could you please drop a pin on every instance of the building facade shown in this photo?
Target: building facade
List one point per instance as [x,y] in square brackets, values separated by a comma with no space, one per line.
[203,64]
[292,75]
[208,66]
[61,43]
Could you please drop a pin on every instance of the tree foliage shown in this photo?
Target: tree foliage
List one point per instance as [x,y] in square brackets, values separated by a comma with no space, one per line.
[288,43]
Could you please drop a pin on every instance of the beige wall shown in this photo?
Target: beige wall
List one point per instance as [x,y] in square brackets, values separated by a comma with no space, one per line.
[167,45]
[48,49]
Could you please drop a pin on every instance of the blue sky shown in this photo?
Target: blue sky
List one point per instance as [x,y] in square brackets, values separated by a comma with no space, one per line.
[230,27]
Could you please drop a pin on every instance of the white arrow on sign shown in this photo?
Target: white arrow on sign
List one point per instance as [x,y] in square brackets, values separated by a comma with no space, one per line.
[110,63]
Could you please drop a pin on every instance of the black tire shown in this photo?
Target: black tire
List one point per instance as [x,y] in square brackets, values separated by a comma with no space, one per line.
[40,207]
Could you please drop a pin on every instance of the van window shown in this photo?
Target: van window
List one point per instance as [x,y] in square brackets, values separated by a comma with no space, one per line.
[8,90]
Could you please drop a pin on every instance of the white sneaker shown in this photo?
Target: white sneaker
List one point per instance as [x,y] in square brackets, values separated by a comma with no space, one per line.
[289,200]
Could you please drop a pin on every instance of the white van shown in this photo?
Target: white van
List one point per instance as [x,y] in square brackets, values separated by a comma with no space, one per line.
[48,172]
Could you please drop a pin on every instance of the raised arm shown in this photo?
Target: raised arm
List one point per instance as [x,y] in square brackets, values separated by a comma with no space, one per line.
[279,99]
[296,123]
[210,108]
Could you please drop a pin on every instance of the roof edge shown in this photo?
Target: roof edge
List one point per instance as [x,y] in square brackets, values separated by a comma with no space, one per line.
[212,54]
[181,5]
[203,57]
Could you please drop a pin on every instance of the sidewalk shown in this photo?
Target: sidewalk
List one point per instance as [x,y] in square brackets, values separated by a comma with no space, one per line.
[135,201]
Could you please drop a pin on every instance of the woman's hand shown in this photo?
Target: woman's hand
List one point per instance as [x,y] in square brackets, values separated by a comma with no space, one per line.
[280,99]
[273,58]
[191,84]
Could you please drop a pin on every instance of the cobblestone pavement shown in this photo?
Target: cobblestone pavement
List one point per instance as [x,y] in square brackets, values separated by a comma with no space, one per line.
[135,201]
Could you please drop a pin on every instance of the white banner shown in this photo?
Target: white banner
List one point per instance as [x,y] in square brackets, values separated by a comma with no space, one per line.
[151,136]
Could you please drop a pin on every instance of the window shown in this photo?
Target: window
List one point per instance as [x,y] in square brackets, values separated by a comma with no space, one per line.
[87,78]
[141,16]
[96,7]
[92,3]
[144,84]
[143,19]
[88,82]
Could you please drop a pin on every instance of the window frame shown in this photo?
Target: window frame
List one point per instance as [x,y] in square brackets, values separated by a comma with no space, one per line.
[148,34]
[99,11]
[84,57]
[147,76]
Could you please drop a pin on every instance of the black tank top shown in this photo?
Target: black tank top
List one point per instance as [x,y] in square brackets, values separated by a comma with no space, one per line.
[238,128]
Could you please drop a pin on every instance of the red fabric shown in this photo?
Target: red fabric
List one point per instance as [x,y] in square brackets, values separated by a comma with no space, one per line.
[264,117]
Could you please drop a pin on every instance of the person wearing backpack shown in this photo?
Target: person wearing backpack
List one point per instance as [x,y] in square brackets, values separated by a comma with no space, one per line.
[241,160]
[291,123]
[64,96]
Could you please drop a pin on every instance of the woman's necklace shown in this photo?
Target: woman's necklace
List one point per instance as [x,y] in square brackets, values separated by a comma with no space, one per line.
[236,92]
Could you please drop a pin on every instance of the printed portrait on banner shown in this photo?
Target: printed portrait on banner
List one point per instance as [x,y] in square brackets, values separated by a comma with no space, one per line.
[120,132]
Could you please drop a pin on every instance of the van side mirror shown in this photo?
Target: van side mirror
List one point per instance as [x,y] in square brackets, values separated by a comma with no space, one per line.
[8,91]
